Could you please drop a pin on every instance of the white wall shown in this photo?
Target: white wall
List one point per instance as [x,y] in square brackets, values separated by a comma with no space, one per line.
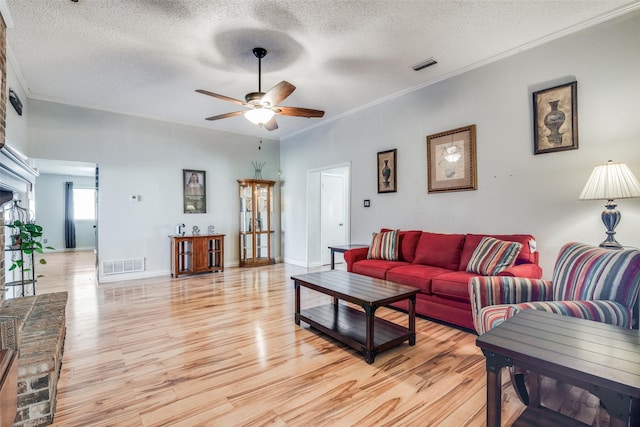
[16,125]
[146,157]
[50,211]
[518,192]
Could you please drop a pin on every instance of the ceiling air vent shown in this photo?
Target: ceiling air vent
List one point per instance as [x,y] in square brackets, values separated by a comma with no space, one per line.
[424,64]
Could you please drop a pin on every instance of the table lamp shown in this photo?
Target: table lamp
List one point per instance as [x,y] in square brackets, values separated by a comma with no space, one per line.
[608,182]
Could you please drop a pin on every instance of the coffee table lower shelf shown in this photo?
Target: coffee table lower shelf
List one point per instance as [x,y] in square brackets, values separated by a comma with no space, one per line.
[349,326]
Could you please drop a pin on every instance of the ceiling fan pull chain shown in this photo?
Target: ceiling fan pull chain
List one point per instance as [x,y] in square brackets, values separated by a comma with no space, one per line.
[259,74]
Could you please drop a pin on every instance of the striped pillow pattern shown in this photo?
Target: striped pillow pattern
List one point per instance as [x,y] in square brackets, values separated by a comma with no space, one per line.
[384,246]
[584,272]
[493,256]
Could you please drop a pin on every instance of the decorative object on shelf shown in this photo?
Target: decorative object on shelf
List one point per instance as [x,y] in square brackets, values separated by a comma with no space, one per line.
[387,176]
[257,169]
[451,160]
[194,191]
[555,119]
[180,230]
[211,229]
[609,182]
[195,230]
[15,101]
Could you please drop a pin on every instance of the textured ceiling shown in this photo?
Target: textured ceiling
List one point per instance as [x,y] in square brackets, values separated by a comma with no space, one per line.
[146,57]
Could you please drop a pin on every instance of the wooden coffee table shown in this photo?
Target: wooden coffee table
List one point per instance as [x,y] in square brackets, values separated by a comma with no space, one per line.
[358,329]
[597,357]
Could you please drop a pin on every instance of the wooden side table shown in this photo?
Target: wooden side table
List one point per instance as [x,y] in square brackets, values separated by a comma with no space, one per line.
[600,358]
[342,249]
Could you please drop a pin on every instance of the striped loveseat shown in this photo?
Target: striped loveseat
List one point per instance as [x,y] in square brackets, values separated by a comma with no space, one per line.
[588,282]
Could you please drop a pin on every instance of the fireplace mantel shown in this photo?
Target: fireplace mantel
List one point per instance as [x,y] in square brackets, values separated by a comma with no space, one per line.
[16,175]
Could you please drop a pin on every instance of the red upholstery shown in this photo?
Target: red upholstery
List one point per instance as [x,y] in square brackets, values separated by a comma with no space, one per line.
[452,285]
[419,276]
[436,263]
[439,250]
[376,267]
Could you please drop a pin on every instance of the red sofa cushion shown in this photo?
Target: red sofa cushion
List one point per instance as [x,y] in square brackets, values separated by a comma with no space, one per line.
[472,241]
[407,242]
[453,284]
[375,267]
[439,250]
[415,275]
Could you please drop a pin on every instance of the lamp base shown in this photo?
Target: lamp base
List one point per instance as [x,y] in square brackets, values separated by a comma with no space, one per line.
[611,217]
[610,244]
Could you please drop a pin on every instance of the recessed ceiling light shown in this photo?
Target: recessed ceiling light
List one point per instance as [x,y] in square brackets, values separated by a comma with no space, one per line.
[424,64]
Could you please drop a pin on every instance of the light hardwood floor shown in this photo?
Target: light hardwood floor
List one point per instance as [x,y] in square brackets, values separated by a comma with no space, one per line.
[222,349]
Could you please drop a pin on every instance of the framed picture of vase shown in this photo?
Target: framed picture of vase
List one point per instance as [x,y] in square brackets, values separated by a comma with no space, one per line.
[387,177]
[555,119]
[451,160]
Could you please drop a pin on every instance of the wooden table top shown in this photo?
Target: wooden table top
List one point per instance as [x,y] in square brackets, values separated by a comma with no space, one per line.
[344,248]
[355,288]
[593,352]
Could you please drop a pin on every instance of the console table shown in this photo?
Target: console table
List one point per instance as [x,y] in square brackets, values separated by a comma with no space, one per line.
[342,249]
[600,358]
[197,254]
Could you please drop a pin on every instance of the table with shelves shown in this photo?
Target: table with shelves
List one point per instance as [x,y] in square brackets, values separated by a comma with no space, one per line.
[197,254]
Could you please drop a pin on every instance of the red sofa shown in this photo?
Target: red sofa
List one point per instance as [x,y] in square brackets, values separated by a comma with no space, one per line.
[437,264]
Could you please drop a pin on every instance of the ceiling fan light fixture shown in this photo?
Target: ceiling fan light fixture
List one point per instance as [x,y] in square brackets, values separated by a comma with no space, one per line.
[259,116]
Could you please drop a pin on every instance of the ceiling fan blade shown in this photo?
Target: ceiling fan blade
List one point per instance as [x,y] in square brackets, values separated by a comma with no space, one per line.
[226,115]
[224,98]
[271,124]
[298,112]
[277,94]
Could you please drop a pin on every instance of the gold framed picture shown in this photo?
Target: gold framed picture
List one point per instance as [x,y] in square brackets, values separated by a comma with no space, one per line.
[451,160]
[555,119]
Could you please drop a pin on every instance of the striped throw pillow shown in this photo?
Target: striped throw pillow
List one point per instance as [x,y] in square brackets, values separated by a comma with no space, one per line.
[493,256]
[384,246]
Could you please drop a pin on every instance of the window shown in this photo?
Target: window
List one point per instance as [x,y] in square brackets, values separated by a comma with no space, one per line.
[84,204]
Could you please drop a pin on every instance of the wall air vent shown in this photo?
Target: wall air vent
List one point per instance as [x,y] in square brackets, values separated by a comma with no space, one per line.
[424,64]
[123,266]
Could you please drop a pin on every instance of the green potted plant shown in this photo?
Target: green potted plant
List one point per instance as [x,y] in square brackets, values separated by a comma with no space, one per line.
[27,237]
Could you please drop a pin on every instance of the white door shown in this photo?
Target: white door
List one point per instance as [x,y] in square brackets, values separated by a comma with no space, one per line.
[333,214]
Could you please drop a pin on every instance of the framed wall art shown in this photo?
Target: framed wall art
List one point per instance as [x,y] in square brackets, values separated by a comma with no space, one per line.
[387,177]
[194,194]
[451,160]
[555,119]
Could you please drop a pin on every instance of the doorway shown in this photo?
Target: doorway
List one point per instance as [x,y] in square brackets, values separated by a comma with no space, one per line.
[50,203]
[328,212]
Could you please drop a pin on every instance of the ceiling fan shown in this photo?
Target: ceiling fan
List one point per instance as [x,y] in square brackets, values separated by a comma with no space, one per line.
[264,106]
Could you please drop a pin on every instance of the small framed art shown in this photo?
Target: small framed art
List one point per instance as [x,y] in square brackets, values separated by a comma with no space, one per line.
[194,194]
[451,160]
[387,177]
[555,119]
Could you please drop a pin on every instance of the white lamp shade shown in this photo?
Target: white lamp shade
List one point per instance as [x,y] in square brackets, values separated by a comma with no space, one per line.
[259,116]
[611,181]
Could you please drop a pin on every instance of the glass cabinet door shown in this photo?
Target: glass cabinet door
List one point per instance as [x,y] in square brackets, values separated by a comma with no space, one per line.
[255,222]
